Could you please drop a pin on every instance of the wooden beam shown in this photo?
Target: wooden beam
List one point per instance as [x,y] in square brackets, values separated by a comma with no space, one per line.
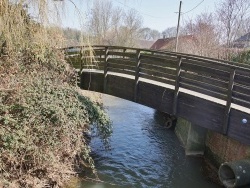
[177,86]
[229,102]
[105,69]
[137,71]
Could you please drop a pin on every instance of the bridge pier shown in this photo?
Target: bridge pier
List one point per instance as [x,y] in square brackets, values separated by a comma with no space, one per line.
[196,140]
[192,136]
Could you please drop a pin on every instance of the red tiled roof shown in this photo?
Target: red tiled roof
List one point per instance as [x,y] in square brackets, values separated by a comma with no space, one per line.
[160,43]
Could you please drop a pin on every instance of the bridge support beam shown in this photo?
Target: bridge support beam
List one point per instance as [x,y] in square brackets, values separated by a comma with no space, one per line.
[196,140]
[192,137]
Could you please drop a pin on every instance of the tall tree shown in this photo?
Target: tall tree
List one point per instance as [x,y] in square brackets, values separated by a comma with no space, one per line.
[149,34]
[232,17]
[112,25]
[204,31]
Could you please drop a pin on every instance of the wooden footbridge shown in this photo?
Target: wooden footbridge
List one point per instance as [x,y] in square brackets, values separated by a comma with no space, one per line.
[211,93]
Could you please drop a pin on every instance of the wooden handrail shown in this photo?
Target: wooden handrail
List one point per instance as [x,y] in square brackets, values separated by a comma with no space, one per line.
[212,77]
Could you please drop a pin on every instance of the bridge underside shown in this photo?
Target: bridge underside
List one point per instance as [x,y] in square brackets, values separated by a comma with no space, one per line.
[198,111]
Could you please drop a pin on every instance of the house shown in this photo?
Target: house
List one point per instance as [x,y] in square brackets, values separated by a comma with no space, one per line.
[242,42]
[186,44]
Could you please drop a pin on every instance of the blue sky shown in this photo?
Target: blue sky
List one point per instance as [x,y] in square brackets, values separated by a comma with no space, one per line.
[156,14]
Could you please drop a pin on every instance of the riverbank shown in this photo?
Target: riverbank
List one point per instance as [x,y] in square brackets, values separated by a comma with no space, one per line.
[43,118]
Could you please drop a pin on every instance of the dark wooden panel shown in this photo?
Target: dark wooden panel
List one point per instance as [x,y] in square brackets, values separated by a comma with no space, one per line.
[122,54]
[159,62]
[158,69]
[158,79]
[129,62]
[156,97]
[243,71]
[93,67]
[120,66]
[160,57]
[99,52]
[241,89]
[205,79]
[243,80]
[122,71]
[209,64]
[120,87]
[237,129]
[203,91]
[241,96]
[92,81]
[206,71]
[201,112]
[206,86]
[241,102]
[158,74]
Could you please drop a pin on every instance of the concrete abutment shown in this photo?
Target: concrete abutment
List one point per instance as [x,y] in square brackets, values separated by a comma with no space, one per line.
[217,148]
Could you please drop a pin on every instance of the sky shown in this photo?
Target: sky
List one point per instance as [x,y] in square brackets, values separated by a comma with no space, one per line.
[156,14]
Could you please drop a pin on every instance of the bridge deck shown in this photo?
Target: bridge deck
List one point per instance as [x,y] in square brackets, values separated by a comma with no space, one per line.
[211,93]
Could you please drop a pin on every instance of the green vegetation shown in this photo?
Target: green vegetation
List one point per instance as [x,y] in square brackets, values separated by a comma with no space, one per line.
[43,117]
[243,57]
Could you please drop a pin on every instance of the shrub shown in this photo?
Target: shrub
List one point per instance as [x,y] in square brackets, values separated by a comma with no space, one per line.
[42,123]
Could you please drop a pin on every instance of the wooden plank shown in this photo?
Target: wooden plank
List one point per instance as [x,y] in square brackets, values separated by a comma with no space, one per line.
[243,72]
[160,57]
[99,52]
[161,63]
[159,98]
[203,91]
[122,71]
[208,64]
[158,69]
[131,62]
[126,54]
[120,87]
[120,66]
[241,89]
[229,101]
[241,102]
[237,129]
[168,62]
[93,67]
[177,86]
[205,79]
[92,81]
[206,71]
[201,111]
[242,80]
[245,97]
[158,74]
[203,85]
[158,79]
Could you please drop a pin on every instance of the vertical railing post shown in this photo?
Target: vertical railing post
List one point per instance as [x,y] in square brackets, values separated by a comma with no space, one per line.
[81,58]
[177,85]
[124,50]
[229,101]
[105,70]
[137,72]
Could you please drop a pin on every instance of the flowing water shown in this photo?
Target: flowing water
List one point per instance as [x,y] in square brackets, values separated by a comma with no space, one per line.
[143,153]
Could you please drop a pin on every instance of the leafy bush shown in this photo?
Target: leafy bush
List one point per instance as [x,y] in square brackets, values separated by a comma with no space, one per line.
[43,118]
[42,122]
[243,57]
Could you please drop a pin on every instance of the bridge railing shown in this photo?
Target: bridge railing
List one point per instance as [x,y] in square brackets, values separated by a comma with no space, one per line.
[225,80]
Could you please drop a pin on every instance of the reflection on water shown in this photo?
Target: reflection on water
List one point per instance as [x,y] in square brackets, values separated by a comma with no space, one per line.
[143,153]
